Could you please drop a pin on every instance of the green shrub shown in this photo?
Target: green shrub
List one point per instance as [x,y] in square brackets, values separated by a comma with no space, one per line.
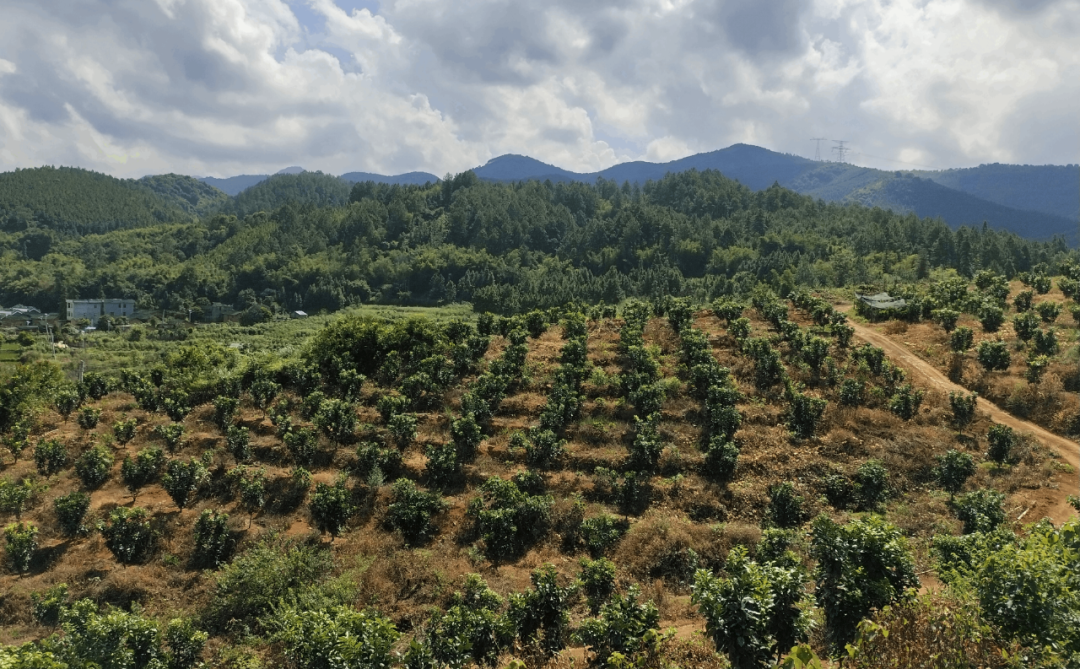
[544,448]
[541,614]
[67,401]
[980,511]
[443,465]
[597,581]
[622,627]
[991,317]
[142,469]
[471,629]
[1036,367]
[961,339]
[1048,311]
[111,638]
[839,490]
[185,643]
[238,441]
[804,414]
[337,420]
[1025,324]
[721,458]
[20,542]
[70,510]
[47,605]
[171,434]
[601,533]
[953,470]
[785,506]
[905,401]
[1046,342]
[50,456]
[92,467]
[1023,300]
[212,539]
[963,409]
[993,355]
[1002,439]
[224,410]
[263,391]
[124,430]
[861,566]
[96,385]
[852,392]
[334,637]
[871,484]
[88,417]
[946,318]
[128,534]
[182,480]
[331,508]
[15,496]
[411,509]
[373,460]
[507,519]
[402,428]
[303,445]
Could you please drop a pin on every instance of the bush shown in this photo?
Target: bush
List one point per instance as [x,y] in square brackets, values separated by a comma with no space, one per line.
[739,329]
[861,566]
[980,511]
[946,318]
[466,436]
[839,491]
[622,627]
[721,458]
[1048,311]
[212,539]
[804,414]
[92,467]
[411,509]
[507,519]
[991,317]
[302,444]
[756,612]
[471,630]
[852,392]
[224,410]
[128,534]
[95,385]
[905,401]
[541,614]
[67,400]
[1036,367]
[953,470]
[1023,300]
[171,434]
[20,543]
[785,507]
[1046,342]
[14,496]
[544,448]
[963,409]
[182,480]
[338,636]
[70,510]
[1002,439]
[331,508]
[263,391]
[601,533]
[238,441]
[124,430]
[47,605]
[1025,324]
[871,481]
[993,355]
[337,420]
[961,339]
[142,469]
[185,643]
[88,418]
[402,428]
[597,581]
[443,465]
[727,309]
[50,456]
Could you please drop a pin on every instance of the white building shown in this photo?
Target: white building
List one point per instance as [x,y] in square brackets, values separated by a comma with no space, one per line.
[95,309]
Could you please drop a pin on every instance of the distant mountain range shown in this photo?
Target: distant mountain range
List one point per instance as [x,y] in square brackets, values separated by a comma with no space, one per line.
[1038,202]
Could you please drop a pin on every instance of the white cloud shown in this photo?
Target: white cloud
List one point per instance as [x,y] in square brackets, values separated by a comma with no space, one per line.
[228,86]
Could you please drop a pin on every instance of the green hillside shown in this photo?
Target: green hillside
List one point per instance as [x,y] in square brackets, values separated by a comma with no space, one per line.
[188,193]
[70,200]
[307,188]
[1051,189]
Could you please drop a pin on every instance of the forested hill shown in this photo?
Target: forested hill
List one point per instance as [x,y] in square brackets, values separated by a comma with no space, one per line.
[1051,189]
[317,243]
[188,193]
[69,200]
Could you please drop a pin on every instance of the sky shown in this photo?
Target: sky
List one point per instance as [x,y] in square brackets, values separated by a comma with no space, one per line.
[225,87]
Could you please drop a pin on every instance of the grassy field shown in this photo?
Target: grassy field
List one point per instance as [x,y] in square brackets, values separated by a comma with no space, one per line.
[113,352]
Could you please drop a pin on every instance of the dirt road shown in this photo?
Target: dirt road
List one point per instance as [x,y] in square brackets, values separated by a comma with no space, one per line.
[1058,508]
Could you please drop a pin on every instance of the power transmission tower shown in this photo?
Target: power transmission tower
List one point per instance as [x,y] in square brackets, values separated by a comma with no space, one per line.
[840,149]
[817,151]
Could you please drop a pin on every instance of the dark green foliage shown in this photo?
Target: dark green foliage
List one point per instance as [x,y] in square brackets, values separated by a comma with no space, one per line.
[466,436]
[601,533]
[871,481]
[224,409]
[50,456]
[70,510]
[443,465]
[472,629]
[739,329]
[1036,367]
[721,458]
[20,542]
[953,470]
[872,356]
[331,507]
[171,434]
[1046,342]
[785,506]
[839,490]
[337,420]
[597,581]
[768,369]
[622,627]
[507,519]
[15,496]
[804,414]
[754,614]
[1023,300]
[392,405]
[238,441]
[47,605]
[963,409]
[374,461]
[1002,440]
[852,392]
[402,428]
[96,385]
[142,469]
[961,339]
[185,643]
[303,444]
[67,400]
[411,509]
[541,614]
[727,309]
[861,566]
[647,445]
[88,417]
[544,448]
[946,318]
[124,430]
[980,511]
[334,637]
[182,480]
[92,467]
[993,355]
[991,317]
[1025,325]
[128,534]
[212,539]
[905,401]
[176,407]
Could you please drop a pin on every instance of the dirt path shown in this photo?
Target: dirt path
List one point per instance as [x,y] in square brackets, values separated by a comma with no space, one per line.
[1058,507]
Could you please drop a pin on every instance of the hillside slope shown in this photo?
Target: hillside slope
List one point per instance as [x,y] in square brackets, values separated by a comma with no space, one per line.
[1051,189]
[188,193]
[314,188]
